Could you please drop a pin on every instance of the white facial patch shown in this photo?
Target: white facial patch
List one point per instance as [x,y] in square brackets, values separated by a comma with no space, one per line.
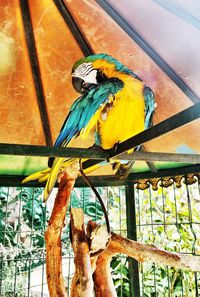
[86,72]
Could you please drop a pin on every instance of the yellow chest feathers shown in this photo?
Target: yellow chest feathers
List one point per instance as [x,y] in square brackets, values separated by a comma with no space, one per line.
[123,116]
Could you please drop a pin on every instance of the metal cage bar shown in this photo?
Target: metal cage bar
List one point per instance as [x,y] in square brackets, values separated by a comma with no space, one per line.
[134,281]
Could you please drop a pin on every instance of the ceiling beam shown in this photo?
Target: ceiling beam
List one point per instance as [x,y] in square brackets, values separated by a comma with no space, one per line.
[91,153]
[30,40]
[101,181]
[160,157]
[74,28]
[45,151]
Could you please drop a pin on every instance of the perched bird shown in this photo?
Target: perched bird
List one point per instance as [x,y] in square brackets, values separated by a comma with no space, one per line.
[115,104]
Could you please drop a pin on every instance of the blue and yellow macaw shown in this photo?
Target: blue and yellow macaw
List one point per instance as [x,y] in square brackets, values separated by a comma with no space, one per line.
[115,104]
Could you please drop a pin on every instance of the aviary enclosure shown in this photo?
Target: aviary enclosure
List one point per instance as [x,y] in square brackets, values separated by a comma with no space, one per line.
[154,214]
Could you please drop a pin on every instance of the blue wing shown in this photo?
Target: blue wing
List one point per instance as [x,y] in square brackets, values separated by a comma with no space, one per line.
[85,107]
[149,106]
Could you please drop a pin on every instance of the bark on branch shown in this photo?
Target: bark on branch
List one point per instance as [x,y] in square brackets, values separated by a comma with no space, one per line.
[147,253]
[82,283]
[54,230]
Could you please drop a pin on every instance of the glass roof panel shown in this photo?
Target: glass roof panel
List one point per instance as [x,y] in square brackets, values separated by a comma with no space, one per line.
[19,113]
[57,52]
[172,28]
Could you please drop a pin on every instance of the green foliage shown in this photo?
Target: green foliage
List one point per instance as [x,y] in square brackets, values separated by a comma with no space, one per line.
[168,218]
[34,213]
[85,199]
[120,275]
[10,279]
[18,209]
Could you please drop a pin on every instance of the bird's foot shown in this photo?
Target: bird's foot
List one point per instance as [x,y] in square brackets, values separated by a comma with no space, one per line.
[96,148]
[100,149]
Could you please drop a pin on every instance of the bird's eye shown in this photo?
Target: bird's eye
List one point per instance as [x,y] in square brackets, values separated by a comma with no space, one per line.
[84,66]
[84,69]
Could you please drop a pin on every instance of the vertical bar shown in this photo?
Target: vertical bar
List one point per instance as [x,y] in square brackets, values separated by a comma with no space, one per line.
[18,241]
[193,233]
[31,242]
[2,260]
[190,218]
[163,193]
[120,229]
[197,274]
[4,244]
[139,204]
[196,284]
[83,198]
[30,40]
[132,234]
[151,214]
[74,28]
[44,255]
[1,272]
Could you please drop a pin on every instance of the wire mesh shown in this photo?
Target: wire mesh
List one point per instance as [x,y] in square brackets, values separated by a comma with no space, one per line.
[168,218]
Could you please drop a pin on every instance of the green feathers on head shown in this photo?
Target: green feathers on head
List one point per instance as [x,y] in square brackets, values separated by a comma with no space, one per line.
[119,66]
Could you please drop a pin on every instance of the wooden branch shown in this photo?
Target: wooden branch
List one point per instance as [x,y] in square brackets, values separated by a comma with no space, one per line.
[54,230]
[147,253]
[82,283]
[103,283]
[100,258]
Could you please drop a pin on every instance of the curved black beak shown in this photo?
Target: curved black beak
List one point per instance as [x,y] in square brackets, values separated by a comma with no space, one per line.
[80,85]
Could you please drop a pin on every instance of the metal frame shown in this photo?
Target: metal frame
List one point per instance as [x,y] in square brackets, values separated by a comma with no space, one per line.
[107,180]
[170,124]
[134,281]
[74,28]
[71,152]
[95,157]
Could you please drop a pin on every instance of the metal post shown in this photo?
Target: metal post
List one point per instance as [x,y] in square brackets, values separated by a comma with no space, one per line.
[134,284]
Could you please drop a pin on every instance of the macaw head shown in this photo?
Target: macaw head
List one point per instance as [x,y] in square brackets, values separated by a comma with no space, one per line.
[84,76]
[94,69]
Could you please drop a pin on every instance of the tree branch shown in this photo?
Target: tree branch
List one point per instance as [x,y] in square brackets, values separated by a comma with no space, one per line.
[103,283]
[143,252]
[54,230]
[82,283]
[147,253]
